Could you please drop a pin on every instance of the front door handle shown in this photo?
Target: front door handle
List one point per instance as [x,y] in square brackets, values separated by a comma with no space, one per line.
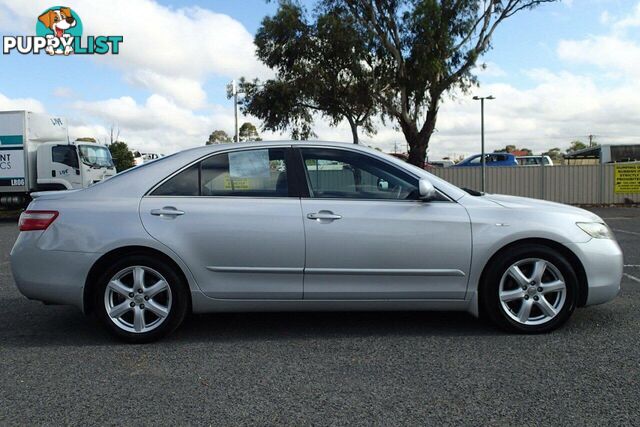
[324,216]
[167,211]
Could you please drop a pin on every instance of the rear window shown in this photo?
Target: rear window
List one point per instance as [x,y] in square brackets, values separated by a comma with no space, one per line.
[183,184]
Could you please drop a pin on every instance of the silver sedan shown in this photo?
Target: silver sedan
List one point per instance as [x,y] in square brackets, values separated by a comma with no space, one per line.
[306,226]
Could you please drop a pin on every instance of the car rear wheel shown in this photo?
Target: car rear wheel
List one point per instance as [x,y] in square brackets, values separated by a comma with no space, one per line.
[139,299]
[530,289]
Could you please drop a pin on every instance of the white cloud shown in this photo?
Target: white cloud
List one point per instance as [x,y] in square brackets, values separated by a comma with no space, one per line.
[184,91]
[610,52]
[157,125]
[29,104]
[629,21]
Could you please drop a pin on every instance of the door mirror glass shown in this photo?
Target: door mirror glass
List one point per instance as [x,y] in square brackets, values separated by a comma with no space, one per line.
[427,190]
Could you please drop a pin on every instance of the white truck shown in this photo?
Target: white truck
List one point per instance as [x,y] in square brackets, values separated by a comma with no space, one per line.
[36,155]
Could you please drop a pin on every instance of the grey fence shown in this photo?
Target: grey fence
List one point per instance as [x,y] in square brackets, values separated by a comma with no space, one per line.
[589,184]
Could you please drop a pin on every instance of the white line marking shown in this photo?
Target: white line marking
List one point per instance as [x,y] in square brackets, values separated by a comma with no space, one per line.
[625,231]
[634,278]
[631,266]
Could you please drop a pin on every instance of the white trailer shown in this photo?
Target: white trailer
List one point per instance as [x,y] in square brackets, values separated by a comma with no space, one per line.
[36,155]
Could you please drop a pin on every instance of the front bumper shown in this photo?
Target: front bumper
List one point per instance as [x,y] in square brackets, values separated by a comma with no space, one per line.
[603,264]
[54,277]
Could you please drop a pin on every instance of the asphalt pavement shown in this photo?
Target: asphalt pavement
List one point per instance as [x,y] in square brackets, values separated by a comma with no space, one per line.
[59,367]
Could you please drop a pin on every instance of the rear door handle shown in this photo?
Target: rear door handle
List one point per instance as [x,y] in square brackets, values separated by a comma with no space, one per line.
[167,211]
[324,215]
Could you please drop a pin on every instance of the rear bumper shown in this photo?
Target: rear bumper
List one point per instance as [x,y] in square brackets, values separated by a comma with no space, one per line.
[603,264]
[55,277]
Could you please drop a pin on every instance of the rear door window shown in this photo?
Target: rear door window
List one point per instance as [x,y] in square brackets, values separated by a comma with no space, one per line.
[247,173]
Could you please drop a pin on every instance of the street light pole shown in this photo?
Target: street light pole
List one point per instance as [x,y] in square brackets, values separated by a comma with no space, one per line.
[234,88]
[482,159]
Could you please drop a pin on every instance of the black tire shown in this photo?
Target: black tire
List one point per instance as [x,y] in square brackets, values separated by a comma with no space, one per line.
[490,302]
[177,310]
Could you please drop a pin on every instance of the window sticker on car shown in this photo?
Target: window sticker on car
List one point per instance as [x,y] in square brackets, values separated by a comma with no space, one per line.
[236,183]
[249,164]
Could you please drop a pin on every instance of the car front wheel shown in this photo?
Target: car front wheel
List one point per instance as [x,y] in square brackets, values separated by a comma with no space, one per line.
[531,289]
[140,299]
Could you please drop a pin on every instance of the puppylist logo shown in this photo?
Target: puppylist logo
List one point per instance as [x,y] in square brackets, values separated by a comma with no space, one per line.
[59,32]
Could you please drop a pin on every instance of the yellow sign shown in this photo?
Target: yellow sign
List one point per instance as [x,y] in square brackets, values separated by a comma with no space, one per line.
[236,183]
[627,178]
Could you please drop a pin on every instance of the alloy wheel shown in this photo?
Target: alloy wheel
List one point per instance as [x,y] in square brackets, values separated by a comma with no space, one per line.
[137,299]
[532,291]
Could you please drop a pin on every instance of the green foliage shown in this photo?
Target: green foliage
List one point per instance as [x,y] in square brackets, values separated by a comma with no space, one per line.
[555,154]
[419,50]
[576,146]
[248,132]
[355,59]
[218,137]
[321,66]
[122,156]
[511,148]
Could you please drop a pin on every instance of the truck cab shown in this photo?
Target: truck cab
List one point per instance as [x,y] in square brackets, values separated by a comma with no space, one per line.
[73,165]
[36,155]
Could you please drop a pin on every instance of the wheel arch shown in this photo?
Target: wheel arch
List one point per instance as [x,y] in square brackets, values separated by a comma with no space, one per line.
[105,260]
[572,258]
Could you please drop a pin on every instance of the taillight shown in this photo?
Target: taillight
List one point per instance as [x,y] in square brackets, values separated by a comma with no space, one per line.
[36,220]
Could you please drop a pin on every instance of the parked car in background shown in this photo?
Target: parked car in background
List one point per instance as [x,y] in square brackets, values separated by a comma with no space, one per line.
[440,163]
[141,158]
[534,160]
[491,159]
[248,227]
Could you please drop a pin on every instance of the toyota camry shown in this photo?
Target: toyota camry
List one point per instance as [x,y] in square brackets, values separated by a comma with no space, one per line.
[293,226]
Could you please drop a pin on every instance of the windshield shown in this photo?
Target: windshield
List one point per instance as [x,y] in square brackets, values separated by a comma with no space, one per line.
[95,155]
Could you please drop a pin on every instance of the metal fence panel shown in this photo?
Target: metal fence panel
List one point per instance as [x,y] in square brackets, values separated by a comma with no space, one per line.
[579,184]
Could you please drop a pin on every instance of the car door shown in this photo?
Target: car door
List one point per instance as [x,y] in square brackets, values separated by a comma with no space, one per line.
[233,220]
[368,236]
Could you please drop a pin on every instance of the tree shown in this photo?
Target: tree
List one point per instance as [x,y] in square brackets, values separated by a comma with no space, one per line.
[418,51]
[507,149]
[512,149]
[321,66]
[576,146]
[218,137]
[555,154]
[122,156]
[248,132]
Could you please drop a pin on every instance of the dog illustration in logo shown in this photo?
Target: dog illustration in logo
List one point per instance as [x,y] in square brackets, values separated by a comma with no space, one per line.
[58,21]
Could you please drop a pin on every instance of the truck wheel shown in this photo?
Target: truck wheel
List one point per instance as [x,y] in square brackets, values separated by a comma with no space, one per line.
[531,289]
[140,299]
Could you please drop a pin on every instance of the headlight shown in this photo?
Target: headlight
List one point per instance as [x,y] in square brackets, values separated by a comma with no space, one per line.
[597,230]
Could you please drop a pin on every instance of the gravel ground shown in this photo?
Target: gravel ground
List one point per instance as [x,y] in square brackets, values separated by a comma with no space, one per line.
[58,367]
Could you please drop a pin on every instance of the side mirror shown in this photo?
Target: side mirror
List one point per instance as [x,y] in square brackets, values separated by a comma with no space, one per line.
[427,190]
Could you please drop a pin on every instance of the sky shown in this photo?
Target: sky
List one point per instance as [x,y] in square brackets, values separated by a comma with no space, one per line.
[559,73]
